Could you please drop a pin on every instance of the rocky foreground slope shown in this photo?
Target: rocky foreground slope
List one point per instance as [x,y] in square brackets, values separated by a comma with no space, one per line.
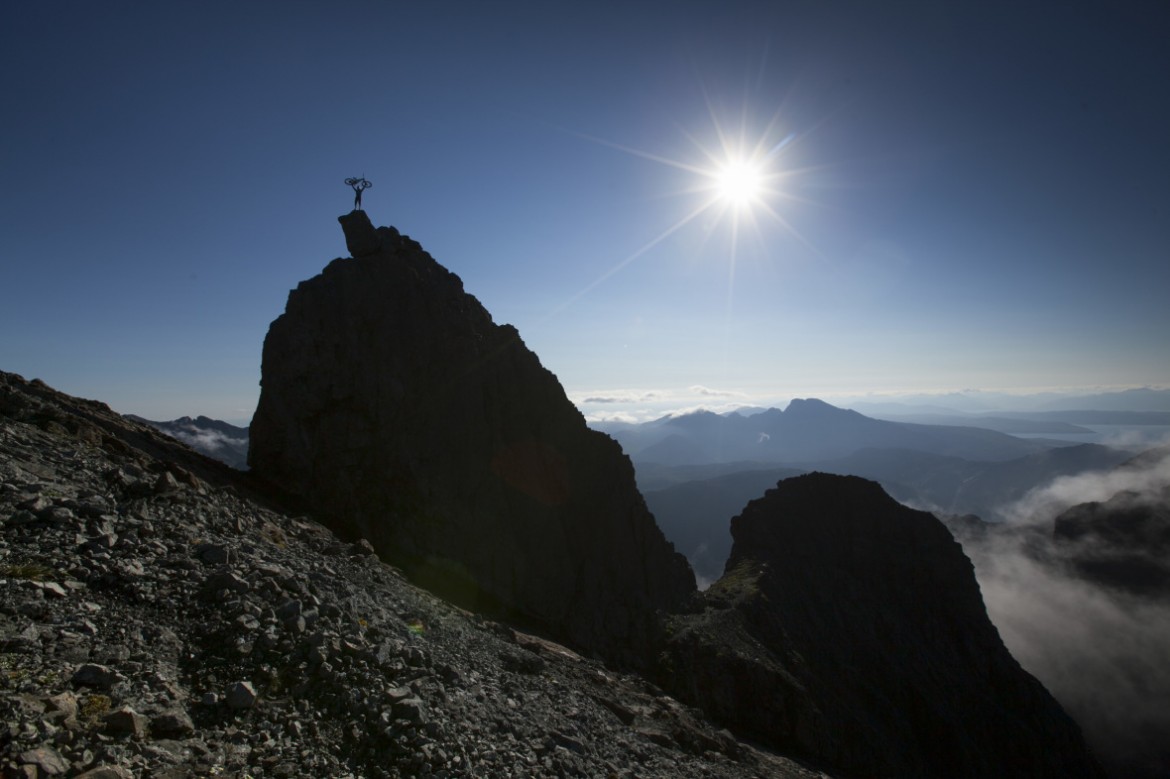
[160,618]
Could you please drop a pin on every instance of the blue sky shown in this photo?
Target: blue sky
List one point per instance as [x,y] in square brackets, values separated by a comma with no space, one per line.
[964,195]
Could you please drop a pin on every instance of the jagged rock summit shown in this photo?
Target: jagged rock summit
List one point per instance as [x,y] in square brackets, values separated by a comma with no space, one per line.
[850,627]
[395,406]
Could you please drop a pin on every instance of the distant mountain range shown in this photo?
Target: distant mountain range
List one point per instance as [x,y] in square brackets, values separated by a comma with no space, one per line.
[1035,422]
[698,470]
[220,440]
[1140,399]
[695,507]
[807,431]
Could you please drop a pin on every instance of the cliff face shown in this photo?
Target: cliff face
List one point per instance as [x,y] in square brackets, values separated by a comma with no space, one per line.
[398,410]
[851,628]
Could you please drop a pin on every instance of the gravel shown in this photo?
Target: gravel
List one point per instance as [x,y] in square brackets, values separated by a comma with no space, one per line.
[155,625]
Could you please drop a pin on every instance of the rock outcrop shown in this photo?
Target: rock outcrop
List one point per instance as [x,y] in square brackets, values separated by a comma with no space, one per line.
[395,406]
[851,628]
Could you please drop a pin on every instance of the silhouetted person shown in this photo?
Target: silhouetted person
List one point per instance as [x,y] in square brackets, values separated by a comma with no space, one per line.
[359,185]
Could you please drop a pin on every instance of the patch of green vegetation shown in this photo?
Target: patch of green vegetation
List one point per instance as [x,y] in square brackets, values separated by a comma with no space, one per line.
[742,581]
[49,679]
[36,572]
[15,671]
[274,535]
[93,708]
[10,670]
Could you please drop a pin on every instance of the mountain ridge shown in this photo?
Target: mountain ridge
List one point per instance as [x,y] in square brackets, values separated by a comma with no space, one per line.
[946,485]
[807,430]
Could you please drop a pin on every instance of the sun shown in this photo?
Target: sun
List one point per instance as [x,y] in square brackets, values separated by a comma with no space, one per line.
[738,178]
[739,182]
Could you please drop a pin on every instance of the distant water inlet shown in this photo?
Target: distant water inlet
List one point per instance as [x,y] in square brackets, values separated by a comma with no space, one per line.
[1125,436]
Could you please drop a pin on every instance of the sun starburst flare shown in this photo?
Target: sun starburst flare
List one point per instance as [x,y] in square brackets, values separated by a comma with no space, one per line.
[737,180]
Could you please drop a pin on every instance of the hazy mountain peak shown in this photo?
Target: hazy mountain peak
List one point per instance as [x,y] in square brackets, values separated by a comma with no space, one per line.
[694,419]
[810,406]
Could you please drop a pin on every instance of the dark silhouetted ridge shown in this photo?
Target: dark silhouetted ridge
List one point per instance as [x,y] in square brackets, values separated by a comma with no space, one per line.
[851,628]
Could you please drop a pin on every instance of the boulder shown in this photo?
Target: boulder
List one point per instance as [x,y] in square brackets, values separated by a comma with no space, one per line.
[241,695]
[126,721]
[48,760]
[93,675]
[172,723]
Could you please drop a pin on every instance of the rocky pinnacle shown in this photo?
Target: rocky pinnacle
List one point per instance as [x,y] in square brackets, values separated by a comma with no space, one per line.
[399,411]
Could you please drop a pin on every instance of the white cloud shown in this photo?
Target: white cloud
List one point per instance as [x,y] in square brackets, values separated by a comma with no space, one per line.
[699,389]
[616,416]
[1043,504]
[1101,652]
[208,440]
[643,405]
[615,396]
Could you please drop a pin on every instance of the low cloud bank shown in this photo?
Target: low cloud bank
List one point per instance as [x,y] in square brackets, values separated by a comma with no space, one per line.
[1104,656]
[699,389]
[219,444]
[635,406]
[209,440]
[1102,651]
[1147,477]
